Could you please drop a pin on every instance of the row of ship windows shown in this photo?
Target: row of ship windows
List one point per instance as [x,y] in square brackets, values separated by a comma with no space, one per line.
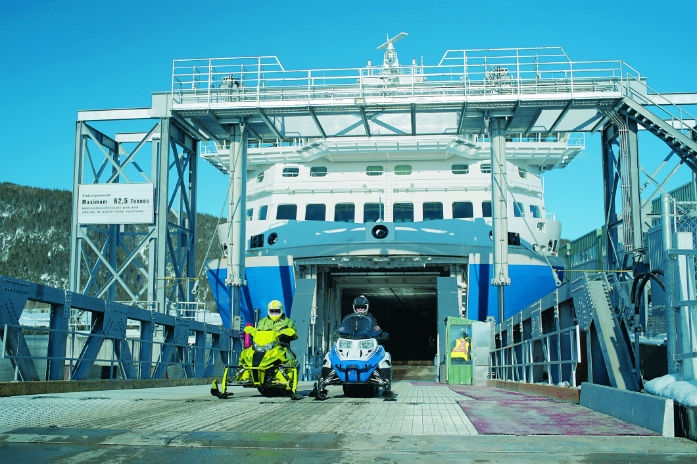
[399,170]
[401,212]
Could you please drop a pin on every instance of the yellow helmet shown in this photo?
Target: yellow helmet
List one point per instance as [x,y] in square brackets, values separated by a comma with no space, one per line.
[275,309]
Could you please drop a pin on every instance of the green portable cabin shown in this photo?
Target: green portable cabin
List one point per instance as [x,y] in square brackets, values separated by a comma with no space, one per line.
[466,351]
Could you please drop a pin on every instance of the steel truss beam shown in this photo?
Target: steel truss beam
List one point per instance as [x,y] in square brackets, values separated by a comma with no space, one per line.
[148,264]
[104,343]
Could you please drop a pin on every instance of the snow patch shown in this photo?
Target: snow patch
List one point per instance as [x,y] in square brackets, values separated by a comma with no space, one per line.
[683,392]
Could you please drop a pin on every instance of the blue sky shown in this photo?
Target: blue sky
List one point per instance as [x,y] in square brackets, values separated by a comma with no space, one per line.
[60,57]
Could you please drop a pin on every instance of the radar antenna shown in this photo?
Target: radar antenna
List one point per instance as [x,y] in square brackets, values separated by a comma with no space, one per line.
[390,62]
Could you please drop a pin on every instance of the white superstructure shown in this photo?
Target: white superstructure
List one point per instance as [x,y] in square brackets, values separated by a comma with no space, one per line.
[394,200]
[400,180]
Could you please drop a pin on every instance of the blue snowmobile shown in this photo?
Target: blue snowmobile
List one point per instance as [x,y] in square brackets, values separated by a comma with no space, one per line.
[357,361]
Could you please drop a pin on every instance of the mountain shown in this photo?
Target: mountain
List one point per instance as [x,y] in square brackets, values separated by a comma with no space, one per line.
[35,237]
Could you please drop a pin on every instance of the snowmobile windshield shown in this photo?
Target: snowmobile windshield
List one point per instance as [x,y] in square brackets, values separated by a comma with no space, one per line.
[357,326]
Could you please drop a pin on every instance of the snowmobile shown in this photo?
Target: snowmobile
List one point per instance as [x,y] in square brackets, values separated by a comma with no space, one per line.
[267,365]
[357,361]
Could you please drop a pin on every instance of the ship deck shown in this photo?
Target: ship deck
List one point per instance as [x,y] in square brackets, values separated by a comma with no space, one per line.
[429,422]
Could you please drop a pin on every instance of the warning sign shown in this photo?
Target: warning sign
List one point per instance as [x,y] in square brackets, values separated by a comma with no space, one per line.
[116,204]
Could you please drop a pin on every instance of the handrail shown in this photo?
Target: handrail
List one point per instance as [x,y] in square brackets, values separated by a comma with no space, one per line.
[107,357]
[527,71]
[665,109]
[191,341]
[515,361]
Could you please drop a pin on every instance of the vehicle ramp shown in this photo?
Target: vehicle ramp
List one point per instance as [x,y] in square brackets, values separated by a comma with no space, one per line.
[592,302]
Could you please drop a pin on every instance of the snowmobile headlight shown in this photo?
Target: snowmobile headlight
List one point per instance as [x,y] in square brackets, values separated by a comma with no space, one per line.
[266,347]
[344,344]
[368,344]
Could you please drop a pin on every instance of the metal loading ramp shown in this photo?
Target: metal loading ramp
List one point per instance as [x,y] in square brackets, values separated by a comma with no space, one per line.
[592,302]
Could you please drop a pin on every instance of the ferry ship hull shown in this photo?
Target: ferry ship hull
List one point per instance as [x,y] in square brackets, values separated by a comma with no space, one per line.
[420,248]
[530,282]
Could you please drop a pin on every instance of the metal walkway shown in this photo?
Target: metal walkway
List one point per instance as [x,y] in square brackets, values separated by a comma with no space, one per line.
[536,91]
[429,422]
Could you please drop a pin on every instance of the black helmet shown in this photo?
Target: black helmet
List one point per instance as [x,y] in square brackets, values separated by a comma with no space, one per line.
[360,305]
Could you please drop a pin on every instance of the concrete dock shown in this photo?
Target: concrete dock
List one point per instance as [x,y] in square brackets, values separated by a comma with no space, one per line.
[428,422]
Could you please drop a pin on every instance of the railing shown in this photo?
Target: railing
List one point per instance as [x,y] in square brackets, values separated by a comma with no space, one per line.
[537,349]
[680,268]
[141,343]
[543,344]
[534,71]
[297,148]
[191,310]
[665,109]
[105,365]
[517,361]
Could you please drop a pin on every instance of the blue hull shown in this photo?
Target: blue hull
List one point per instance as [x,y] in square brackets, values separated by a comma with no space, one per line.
[264,283]
[528,284]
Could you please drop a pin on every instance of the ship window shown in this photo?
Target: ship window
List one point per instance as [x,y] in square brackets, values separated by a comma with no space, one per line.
[522,173]
[373,170]
[372,212]
[287,212]
[260,177]
[485,168]
[460,168]
[344,212]
[486,208]
[463,209]
[403,212]
[315,212]
[433,210]
[535,211]
[402,169]
[291,172]
[262,212]
[318,171]
[518,209]
[250,214]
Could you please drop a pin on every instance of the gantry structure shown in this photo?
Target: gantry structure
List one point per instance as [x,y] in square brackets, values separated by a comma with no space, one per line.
[231,104]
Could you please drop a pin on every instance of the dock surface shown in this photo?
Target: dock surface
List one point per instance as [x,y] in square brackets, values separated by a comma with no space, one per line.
[428,422]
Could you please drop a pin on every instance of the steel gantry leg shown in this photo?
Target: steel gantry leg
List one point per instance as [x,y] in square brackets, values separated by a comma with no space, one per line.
[499,198]
[621,175]
[236,241]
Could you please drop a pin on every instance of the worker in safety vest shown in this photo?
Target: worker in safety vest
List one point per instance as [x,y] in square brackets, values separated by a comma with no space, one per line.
[462,348]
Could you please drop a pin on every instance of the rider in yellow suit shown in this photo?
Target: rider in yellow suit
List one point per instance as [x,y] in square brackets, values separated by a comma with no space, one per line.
[277,320]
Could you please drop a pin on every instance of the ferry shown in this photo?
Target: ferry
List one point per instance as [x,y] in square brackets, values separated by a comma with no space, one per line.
[387,216]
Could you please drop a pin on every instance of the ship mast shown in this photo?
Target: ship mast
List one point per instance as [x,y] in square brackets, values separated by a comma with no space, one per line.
[390,62]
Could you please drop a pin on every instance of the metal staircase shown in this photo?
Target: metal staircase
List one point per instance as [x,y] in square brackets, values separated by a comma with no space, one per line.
[674,131]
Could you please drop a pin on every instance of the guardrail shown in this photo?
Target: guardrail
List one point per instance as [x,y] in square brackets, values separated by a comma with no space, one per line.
[120,341]
[525,71]
[105,364]
[537,345]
